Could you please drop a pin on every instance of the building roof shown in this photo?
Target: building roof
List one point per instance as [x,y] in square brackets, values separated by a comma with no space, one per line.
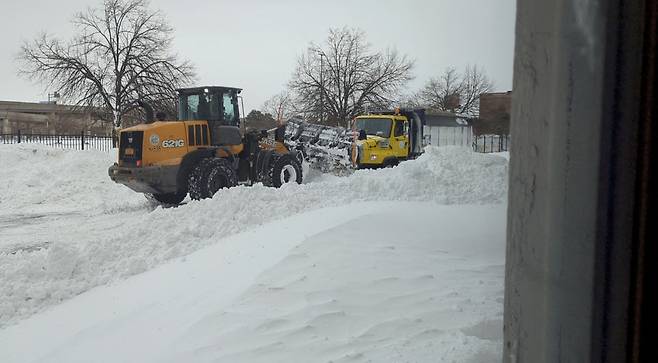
[192,90]
[440,118]
[33,107]
[496,94]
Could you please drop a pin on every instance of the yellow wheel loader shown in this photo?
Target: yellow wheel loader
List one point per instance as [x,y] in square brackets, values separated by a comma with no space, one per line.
[202,151]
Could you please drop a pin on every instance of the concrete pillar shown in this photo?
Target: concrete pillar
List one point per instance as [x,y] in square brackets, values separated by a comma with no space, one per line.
[556,128]
[580,281]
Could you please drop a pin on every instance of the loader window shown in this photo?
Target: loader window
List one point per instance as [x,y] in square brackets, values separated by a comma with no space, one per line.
[199,107]
[229,109]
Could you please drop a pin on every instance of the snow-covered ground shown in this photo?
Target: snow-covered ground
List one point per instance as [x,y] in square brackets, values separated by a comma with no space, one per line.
[402,264]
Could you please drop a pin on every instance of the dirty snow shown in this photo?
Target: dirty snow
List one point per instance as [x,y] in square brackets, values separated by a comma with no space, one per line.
[66,228]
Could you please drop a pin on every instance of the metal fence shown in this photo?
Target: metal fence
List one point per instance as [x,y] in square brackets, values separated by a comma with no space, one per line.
[75,142]
[482,143]
[491,143]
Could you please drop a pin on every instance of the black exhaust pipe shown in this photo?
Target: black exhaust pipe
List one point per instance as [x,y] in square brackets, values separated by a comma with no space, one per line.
[148,110]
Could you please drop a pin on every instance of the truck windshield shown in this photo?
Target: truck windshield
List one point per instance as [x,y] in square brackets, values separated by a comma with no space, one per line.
[375,126]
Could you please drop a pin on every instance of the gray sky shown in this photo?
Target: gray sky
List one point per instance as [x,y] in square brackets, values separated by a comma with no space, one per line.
[253,44]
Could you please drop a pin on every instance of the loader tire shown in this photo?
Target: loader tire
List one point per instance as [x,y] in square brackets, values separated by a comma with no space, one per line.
[283,169]
[194,181]
[167,198]
[220,175]
[209,176]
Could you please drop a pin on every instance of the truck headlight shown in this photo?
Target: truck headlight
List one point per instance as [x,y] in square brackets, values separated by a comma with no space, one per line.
[384,144]
[373,157]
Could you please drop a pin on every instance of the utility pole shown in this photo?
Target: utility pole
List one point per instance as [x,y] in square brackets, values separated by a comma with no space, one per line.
[321,88]
[321,54]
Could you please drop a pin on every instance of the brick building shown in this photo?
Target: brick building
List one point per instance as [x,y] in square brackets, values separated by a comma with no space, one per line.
[51,118]
[495,110]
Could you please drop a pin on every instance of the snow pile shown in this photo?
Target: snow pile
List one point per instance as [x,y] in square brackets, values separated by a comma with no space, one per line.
[118,235]
[36,178]
[367,282]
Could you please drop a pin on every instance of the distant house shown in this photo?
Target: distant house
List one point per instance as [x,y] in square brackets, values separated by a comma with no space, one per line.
[445,128]
[50,118]
[495,110]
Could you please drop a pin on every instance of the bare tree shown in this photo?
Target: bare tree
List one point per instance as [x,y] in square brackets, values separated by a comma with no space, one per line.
[474,83]
[456,92]
[280,107]
[441,92]
[120,56]
[338,81]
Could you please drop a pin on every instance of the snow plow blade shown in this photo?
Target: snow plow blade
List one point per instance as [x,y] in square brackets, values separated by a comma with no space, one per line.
[326,148]
[384,139]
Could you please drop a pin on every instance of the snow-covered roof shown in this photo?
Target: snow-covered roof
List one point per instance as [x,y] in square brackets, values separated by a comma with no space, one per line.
[445,119]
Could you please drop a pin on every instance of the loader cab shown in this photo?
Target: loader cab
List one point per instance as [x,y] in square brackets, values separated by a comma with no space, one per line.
[217,105]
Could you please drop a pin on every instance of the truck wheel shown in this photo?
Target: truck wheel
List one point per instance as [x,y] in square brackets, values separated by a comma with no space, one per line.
[167,198]
[389,163]
[210,176]
[283,169]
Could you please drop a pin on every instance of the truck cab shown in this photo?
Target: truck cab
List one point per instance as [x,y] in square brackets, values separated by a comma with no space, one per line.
[385,139]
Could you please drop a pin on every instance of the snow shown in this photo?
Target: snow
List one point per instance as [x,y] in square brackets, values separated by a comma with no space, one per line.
[384,265]
[38,179]
[503,154]
[324,284]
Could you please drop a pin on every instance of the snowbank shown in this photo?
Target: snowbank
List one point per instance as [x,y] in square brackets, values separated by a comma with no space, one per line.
[369,282]
[108,232]
[36,178]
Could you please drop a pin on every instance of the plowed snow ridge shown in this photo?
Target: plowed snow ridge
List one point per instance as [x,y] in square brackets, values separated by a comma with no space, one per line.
[118,234]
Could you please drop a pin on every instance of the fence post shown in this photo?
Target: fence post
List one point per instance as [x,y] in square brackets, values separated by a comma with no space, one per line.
[114,137]
[19,136]
[469,136]
[82,139]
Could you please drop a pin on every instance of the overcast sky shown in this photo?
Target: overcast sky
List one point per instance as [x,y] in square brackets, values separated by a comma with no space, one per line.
[253,44]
